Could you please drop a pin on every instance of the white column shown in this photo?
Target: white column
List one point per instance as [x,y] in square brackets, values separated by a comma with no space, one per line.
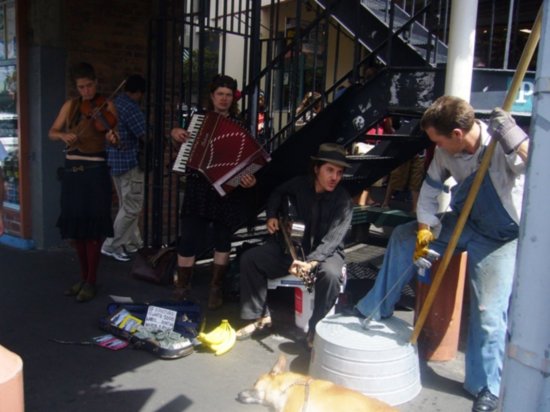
[525,383]
[460,55]
[460,60]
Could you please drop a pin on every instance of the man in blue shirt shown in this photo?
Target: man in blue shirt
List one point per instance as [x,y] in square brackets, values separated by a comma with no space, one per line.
[127,175]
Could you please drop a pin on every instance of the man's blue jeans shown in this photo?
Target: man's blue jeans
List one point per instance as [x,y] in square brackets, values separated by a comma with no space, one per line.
[491,266]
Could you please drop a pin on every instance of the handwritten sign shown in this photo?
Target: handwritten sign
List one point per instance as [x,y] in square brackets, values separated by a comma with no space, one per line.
[160,318]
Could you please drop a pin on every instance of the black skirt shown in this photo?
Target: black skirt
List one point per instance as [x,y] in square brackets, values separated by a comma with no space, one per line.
[86,197]
[201,199]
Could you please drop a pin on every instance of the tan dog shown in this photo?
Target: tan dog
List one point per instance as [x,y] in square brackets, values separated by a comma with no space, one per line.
[291,392]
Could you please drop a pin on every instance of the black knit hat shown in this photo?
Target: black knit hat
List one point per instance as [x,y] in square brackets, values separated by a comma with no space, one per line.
[221,80]
[332,153]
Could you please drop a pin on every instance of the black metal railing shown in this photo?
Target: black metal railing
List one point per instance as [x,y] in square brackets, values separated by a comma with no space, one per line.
[288,49]
[188,45]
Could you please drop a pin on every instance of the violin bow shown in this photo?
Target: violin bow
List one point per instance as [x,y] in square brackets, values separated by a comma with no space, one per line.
[100,107]
[97,111]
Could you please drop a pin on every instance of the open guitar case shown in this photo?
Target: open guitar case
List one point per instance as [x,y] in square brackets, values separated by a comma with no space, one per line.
[166,345]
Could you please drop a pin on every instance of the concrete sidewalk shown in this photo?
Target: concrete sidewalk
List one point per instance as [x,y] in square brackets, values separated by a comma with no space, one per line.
[70,377]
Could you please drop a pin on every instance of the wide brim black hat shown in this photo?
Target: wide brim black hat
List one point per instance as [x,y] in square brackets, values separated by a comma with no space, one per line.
[332,153]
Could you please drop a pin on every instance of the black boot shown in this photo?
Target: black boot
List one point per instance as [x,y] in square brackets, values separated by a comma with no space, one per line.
[215,296]
[182,282]
[485,402]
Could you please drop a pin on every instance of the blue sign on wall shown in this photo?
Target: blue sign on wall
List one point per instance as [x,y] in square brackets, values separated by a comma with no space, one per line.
[524,99]
[489,89]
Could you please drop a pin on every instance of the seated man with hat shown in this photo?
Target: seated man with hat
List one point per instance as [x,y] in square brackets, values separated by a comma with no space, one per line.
[325,209]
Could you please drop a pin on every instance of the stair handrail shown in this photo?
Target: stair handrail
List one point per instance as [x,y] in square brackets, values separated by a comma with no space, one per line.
[303,34]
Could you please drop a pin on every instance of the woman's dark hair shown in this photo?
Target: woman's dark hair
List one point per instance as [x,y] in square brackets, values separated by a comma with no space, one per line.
[314,164]
[221,80]
[82,70]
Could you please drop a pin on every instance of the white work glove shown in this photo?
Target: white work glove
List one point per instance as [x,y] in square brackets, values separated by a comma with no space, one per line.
[504,129]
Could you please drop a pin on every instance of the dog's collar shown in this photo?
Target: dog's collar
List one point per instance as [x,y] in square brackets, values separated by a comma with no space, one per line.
[305,384]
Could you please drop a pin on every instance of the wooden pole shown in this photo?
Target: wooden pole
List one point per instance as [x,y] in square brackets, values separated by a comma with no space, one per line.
[526,57]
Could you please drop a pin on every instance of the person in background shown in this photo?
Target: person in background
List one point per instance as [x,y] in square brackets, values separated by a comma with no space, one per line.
[384,127]
[326,210]
[264,126]
[202,205]
[489,235]
[86,193]
[310,106]
[127,176]
[409,176]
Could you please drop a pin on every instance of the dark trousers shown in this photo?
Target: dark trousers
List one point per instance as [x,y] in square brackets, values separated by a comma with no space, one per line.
[193,231]
[270,262]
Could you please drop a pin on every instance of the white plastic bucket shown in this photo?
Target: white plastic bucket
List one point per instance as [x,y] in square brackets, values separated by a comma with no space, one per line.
[303,307]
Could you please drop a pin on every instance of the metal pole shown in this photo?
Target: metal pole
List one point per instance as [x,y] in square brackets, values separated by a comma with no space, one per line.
[508,35]
[158,142]
[528,52]
[525,384]
[255,55]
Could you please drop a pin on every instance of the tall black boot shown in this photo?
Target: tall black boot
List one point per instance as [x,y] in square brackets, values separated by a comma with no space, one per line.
[182,282]
[215,296]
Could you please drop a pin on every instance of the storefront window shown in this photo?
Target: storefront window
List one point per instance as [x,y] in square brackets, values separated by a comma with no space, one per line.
[9,158]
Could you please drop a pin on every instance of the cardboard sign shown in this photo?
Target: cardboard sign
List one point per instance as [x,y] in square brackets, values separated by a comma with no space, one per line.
[160,318]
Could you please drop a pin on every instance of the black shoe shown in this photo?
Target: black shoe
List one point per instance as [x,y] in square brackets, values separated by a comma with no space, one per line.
[351,311]
[485,402]
[255,330]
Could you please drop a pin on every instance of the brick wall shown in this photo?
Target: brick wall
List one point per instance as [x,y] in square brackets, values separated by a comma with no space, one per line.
[110,35]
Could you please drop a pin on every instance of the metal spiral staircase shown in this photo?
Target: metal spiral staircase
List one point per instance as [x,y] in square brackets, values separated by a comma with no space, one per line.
[405,53]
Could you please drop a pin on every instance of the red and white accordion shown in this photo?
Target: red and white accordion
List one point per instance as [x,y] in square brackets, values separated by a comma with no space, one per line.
[221,150]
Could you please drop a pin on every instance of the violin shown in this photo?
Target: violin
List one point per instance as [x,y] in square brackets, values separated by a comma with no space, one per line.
[96,110]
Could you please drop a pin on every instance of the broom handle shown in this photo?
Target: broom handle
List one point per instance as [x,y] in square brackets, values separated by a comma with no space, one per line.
[523,64]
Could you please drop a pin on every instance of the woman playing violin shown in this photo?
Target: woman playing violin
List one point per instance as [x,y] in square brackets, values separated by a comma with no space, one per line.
[85,216]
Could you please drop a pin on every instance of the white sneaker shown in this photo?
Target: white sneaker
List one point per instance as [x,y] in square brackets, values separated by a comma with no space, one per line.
[131,249]
[106,252]
[120,256]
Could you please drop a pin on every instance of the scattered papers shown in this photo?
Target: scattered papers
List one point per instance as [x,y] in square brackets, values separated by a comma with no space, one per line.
[110,342]
[121,299]
[124,320]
